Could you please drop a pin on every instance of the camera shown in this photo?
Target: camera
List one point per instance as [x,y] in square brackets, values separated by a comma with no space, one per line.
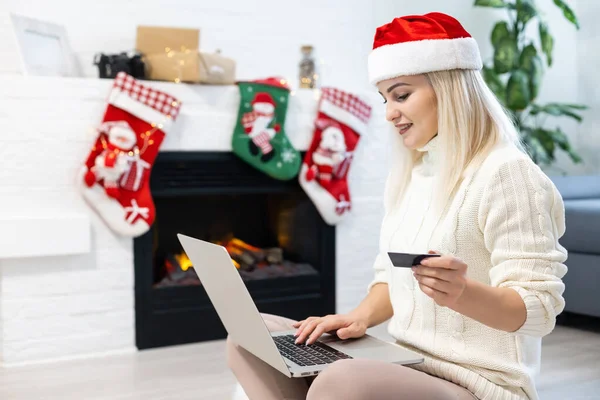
[110,65]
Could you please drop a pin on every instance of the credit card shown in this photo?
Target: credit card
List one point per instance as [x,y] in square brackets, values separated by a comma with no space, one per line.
[407,260]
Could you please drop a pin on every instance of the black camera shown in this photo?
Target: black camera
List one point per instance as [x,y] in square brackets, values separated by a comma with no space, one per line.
[110,65]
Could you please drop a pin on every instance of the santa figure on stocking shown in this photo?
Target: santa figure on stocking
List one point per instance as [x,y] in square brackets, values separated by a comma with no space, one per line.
[341,120]
[329,155]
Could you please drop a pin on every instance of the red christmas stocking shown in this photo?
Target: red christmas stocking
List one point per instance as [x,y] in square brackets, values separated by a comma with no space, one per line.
[114,180]
[341,119]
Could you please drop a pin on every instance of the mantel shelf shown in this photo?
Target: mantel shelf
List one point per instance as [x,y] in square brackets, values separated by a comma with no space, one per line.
[205,123]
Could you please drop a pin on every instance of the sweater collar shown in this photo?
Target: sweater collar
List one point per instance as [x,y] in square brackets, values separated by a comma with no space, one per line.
[431,145]
[430,150]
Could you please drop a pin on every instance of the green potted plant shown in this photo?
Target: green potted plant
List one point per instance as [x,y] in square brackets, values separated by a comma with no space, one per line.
[515,75]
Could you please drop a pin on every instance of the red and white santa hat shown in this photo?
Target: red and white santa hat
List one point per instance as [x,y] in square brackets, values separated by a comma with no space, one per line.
[263,98]
[416,44]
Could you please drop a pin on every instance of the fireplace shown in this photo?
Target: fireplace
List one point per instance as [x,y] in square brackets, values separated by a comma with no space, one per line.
[283,250]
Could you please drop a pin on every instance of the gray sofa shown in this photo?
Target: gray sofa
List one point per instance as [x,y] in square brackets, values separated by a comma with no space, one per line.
[581,195]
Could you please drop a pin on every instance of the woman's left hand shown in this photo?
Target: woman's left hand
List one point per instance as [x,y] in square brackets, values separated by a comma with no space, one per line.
[442,278]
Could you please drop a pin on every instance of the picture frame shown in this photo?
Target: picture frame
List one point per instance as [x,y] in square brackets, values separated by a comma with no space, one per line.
[44,48]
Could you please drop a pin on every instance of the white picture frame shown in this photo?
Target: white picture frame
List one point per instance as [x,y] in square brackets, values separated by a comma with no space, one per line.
[44,48]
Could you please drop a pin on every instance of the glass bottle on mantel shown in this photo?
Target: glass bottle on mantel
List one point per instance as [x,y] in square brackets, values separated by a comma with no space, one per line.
[308,73]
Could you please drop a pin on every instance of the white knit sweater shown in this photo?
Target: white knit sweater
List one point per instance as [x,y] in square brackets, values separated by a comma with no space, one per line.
[504,223]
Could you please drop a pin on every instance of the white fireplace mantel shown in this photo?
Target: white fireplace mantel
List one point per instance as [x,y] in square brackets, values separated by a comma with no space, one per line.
[206,122]
[66,280]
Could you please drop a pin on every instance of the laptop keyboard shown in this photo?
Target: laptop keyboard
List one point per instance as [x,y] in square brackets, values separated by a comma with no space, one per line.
[304,355]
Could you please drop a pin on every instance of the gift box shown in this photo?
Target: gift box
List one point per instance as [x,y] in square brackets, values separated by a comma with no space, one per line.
[170,54]
[216,69]
[157,40]
[174,66]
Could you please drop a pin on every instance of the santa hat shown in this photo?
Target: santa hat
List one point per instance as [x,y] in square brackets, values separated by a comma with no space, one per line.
[263,97]
[417,44]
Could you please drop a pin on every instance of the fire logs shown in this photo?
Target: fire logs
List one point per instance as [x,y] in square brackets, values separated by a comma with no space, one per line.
[252,263]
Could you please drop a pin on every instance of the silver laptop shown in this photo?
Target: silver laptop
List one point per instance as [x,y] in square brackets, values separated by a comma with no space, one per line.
[243,322]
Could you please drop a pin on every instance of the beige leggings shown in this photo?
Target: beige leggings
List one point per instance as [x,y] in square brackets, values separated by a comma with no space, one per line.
[344,379]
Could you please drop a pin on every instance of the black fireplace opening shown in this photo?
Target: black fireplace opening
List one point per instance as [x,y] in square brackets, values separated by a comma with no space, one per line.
[279,244]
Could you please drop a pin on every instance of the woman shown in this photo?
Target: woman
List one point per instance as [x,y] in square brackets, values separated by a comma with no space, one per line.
[460,186]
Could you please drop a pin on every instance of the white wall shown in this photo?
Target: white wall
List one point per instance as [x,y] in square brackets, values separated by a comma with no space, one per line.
[264,37]
[42,313]
[588,65]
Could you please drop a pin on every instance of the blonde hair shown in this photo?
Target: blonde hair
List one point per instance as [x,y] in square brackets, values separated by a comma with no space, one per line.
[471,121]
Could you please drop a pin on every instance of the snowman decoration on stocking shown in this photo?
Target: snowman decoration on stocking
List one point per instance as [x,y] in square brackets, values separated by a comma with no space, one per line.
[328,156]
[257,125]
[114,161]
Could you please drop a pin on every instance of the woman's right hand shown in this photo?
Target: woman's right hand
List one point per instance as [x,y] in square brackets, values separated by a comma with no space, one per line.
[345,326]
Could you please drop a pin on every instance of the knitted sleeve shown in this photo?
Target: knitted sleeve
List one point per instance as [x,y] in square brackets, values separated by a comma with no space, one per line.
[522,218]
[381,274]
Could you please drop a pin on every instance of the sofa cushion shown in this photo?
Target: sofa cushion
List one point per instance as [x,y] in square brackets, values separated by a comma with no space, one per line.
[583,226]
[578,186]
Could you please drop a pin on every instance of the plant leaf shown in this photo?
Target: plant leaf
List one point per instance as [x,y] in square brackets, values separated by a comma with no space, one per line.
[574,156]
[567,12]
[500,31]
[561,139]
[525,11]
[505,55]
[532,63]
[536,75]
[557,110]
[527,55]
[517,90]
[547,41]
[575,106]
[536,150]
[547,142]
[491,3]
[495,83]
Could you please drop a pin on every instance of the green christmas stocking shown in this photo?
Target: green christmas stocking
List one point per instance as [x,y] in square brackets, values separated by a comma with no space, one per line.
[259,137]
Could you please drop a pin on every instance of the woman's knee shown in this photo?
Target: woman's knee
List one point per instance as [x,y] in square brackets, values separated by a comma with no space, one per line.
[232,352]
[276,323]
[335,382]
[235,354]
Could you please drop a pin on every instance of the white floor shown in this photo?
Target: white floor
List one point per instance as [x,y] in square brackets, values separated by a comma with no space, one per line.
[570,371]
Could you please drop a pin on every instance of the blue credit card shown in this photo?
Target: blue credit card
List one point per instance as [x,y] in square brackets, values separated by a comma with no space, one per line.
[407,260]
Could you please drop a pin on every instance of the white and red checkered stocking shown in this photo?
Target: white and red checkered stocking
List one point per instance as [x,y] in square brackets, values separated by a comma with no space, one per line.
[114,179]
[342,118]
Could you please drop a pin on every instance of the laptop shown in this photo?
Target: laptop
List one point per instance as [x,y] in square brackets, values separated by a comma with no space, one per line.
[242,320]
